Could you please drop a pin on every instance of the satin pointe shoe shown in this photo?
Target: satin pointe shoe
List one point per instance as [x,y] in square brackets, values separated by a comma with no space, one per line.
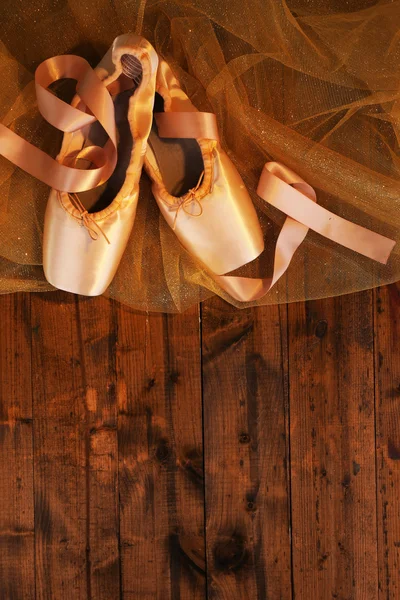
[197,188]
[85,236]
[203,199]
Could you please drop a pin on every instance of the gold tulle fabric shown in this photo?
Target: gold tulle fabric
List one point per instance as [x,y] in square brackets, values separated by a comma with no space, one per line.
[314,84]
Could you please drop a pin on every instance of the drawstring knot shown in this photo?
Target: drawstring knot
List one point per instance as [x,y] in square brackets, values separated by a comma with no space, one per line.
[87,219]
[186,201]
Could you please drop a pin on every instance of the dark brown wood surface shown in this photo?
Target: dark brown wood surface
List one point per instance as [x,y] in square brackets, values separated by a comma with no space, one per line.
[221,453]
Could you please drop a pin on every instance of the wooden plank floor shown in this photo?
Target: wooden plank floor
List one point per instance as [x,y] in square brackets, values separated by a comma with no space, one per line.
[221,454]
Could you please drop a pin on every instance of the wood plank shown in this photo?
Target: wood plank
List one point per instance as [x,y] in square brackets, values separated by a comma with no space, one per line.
[17,578]
[160,456]
[76,492]
[332,448]
[246,453]
[387,365]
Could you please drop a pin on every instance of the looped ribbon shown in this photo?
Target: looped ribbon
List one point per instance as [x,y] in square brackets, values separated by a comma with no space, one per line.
[187,200]
[95,98]
[285,190]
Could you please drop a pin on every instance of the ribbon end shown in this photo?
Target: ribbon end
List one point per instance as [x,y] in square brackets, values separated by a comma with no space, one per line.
[386,252]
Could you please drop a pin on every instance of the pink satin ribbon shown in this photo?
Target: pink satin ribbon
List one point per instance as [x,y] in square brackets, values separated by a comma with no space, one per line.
[65,117]
[273,188]
[283,188]
[196,125]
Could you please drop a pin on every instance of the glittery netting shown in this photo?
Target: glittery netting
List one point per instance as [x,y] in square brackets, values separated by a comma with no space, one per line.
[308,83]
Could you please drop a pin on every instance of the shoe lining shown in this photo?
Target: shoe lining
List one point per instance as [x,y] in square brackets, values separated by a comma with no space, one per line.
[180,160]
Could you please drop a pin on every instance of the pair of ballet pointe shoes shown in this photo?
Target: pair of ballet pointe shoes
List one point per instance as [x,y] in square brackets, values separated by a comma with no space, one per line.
[128,113]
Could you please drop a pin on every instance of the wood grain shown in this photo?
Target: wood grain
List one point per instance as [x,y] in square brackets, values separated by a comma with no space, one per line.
[246,454]
[102,472]
[17,574]
[160,456]
[332,445]
[76,492]
[387,368]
